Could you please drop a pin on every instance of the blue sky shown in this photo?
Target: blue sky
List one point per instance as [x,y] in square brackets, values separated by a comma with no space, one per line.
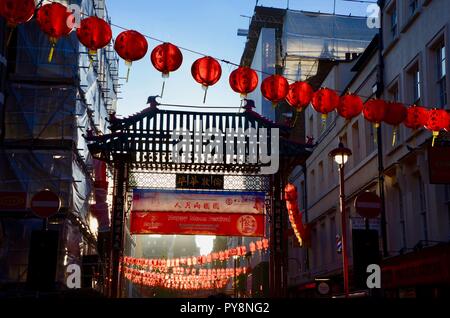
[207,26]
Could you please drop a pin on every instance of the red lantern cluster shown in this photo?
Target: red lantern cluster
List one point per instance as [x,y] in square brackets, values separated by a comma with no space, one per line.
[17,11]
[53,20]
[300,95]
[275,88]
[243,80]
[350,106]
[207,72]
[94,33]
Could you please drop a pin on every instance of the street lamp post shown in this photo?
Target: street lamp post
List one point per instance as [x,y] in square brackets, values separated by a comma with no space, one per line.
[340,156]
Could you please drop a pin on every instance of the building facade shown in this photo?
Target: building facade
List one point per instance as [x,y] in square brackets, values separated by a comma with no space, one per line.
[411,69]
[48,108]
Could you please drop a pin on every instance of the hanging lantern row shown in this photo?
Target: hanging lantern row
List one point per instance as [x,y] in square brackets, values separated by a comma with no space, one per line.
[164,265]
[210,279]
[95,34]
[301,230]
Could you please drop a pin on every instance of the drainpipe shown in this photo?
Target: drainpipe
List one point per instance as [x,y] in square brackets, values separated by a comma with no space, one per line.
[379,93]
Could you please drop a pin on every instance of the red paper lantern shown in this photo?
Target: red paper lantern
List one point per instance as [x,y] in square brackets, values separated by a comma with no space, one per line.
[131,46]
[243,80]
[252,247]
[290,192]
[375,111]
[300,95]
[325,101]
[395,115]
[275,88]
[438,119]
[207,72]
[17,11]
[416,117]
[94,33]
[350,106]
[166,58]
[52,18]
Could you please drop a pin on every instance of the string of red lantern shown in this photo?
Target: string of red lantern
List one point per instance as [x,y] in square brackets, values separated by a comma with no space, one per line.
[301,230]
[164,265]
[207,279]
[131,45]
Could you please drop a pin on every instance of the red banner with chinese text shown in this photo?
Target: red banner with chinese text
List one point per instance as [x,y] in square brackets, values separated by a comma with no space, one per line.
[187,223]
[149,200]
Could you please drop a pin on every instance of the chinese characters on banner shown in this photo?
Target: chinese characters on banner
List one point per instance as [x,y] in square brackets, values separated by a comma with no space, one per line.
[199,181]
[198,212]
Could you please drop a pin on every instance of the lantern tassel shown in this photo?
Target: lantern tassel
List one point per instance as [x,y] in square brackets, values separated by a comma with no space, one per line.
[10,33]
[206,92]
[52,49]
[295,119]
[375,133]
[162,89]
[274,105]
[394,136]
[324,121]
[128,63]
[91,54]
[435,135]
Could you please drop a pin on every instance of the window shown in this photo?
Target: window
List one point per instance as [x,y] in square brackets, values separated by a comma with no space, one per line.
[302,196]
[323,243]
[393,20]
[311,126]
[402,221]
[441,62]
[415,83]
[333,239]
[394,97]
[370,137]
[312,182]
[422,207]
[413,6]
[355,143]
[321,174]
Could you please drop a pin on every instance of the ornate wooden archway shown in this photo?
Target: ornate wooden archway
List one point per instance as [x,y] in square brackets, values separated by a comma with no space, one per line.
[143,143]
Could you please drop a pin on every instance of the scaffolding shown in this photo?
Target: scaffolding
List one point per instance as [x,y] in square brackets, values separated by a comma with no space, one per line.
[48,109]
